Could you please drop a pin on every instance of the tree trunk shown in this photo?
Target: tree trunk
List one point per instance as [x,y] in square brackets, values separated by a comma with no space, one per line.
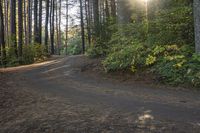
[59,26]
[2,37]
[46,25]
[40,23]
[20,27]
[36,34]
[67,19]
[82,27]
[113,10]
[96,18]
[29,21]
[52,27]
[197,25]
[25,23]
[13,25]
[88,18]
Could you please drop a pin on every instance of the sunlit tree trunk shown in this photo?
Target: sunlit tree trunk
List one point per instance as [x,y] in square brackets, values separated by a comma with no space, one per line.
[2,37]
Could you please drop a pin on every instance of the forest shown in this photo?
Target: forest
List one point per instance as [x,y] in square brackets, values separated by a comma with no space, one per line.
[99,66]
[158,36]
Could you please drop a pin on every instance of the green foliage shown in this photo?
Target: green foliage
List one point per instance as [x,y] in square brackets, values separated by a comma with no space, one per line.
[128,57]
[31,54]
[74,46]
[11,59]
[161,42]
[99,49]
[174,25]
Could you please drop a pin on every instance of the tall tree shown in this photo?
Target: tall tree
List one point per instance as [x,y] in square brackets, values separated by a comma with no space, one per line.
[36,32]
[96,18]
[29,22]
[20,27]
[52,26]
[67,21]
[59,26]
[46,25]
[2,39]
[25,23]
[40,23]
[113,9]
[197,24]
[88,19]
[13,25]
[82,27]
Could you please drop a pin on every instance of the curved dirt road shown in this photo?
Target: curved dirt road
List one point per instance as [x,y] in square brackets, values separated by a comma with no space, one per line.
[80,99]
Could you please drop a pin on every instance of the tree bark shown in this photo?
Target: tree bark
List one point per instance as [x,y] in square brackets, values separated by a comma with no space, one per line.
[36,32]
[46,25]
[96,18]
[52,27]
[20,27]
[13,25]
[82,27]
[40,23]
[67,19]
[2,37]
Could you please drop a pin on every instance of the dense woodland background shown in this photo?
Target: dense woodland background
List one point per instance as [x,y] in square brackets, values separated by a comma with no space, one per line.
[161,37]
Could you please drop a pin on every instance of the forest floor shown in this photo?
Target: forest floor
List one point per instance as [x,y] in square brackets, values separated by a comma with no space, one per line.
[74,95]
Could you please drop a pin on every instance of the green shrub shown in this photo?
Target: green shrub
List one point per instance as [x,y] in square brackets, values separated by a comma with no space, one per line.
[125,57]
[31,54]
[28,54]
[74,45]
[11,59]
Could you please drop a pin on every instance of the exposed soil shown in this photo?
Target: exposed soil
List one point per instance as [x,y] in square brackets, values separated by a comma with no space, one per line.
[74,95]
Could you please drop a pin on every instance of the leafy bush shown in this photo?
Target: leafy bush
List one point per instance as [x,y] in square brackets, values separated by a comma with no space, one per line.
[74,45]
[31,54]
[128,57]
[11,59]
[99,49]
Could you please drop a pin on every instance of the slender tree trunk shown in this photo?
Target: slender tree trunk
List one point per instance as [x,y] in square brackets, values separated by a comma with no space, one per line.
[113,10]
[67,19]
[52,27]
[25,23]
[36,32]
[82,27]
[96,18]
[87,10]
[46,25]
[29,21]
[197,24]
[2,37]
[40,23]
[59,26]
[13,25]
[20,27]
[57,29]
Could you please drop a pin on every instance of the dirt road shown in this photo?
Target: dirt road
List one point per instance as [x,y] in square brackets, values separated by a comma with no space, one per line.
[68,94]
